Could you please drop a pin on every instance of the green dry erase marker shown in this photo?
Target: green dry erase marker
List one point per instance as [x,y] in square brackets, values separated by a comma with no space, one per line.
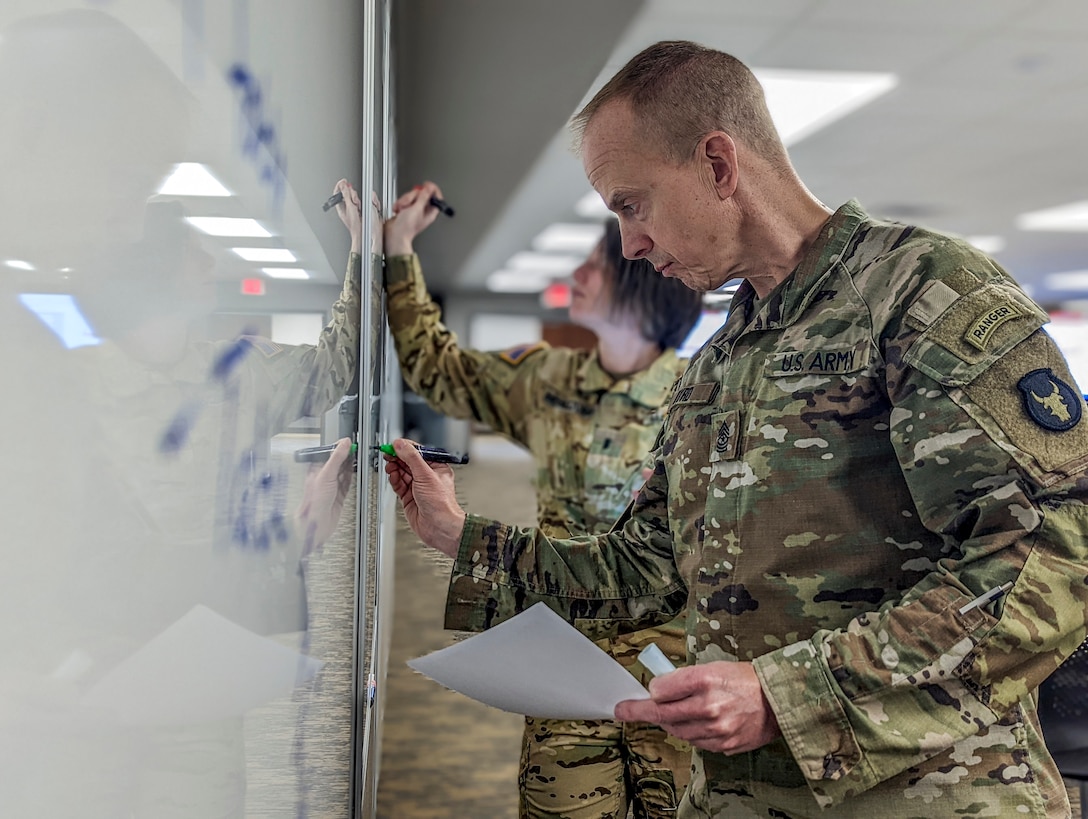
[433,454]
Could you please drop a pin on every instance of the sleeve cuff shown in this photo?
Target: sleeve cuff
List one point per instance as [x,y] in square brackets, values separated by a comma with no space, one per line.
[402,269]
[814,724]
[468,600]
[479,535]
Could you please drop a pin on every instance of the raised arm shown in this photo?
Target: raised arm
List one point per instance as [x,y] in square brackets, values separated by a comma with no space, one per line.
[494,388]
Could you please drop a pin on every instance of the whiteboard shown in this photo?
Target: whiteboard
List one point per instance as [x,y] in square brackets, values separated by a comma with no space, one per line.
[174,646]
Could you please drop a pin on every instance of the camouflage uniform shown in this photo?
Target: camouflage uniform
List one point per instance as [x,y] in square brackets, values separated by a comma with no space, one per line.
[589,434]
[844,467]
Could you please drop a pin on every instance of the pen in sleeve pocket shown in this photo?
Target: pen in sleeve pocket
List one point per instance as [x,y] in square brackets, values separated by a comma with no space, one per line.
[986,597]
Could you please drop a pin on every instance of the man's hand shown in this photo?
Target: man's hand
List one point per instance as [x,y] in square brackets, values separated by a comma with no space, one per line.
[323,497]
[717,706]
[412,214]
[426,492]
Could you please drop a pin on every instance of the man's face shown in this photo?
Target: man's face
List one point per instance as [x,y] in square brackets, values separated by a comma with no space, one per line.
[669,214]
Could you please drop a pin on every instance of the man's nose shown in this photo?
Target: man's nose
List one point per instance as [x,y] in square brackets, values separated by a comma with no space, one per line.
[636,244]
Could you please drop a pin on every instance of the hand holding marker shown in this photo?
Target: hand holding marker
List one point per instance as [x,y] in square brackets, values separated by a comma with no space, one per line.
[319,454]
[434,454]
[338,197]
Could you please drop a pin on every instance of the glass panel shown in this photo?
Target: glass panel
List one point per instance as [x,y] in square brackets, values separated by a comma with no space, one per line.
[178,605]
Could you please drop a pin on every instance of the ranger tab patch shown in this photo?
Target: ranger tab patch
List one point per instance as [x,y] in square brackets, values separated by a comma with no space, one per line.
[1049,401]
[983,327]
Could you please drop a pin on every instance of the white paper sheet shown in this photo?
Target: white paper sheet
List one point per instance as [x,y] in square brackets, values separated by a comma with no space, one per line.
[536,664]
[203,667]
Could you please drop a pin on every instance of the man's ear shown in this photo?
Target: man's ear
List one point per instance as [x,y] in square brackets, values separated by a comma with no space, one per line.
[720,152]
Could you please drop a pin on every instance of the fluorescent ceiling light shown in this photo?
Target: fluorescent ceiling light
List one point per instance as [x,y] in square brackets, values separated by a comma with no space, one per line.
[545,264]
[1073,280]
[567,237]
[285,272]
[192,179]
[591,206]
[60,313]
[988,244]
[1073,217]
[265,254]
[228,226]
[803,102]
[19,264]
[517,281]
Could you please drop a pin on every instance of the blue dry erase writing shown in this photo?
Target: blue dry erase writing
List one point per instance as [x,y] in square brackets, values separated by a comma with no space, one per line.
[653,659]
[261,144]
[259,518]
[181,425]
[227,360]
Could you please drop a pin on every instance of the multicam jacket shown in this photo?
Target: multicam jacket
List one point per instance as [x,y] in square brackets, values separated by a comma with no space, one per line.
[589,433]
[844,468]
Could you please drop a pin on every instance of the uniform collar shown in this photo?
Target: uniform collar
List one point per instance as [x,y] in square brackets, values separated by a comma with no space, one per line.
[785,303]
[648,387]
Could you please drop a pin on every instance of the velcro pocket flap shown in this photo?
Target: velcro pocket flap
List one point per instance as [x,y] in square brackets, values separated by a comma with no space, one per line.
[973,332]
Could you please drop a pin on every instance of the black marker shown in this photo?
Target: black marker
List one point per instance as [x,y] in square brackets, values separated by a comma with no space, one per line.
[433,454]
[338,197]
[442,206]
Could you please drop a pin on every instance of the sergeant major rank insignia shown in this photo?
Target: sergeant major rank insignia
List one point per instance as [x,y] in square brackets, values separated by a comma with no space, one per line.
[1049,401]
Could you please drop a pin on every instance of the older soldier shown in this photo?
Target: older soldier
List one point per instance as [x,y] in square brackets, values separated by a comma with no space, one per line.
[870,487]
[588,417]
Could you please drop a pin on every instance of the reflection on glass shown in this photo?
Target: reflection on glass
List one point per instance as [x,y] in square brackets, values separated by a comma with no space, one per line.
[154,607]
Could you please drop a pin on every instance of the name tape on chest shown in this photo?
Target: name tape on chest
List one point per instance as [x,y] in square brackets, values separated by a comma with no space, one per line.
[568,405]
[697,393]
[817,361]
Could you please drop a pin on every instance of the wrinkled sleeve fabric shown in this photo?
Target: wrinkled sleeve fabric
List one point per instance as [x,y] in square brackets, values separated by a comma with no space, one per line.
[621,581]
[295,381]
[493,388]
[1006,490]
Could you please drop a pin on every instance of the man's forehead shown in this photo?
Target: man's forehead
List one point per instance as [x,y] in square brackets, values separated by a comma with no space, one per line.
[610,152]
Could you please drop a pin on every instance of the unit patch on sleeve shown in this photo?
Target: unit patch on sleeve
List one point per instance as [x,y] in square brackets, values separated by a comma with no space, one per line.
[515,355]
[1049,401]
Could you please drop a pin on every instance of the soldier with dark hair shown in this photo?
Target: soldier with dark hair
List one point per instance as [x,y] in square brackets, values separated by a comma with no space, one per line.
[870,491]
[588,417]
